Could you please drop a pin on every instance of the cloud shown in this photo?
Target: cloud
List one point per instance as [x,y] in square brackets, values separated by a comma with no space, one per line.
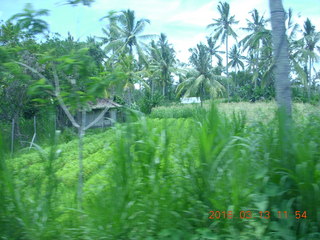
[200,17]
[182,45]
[154,10]
[185,21]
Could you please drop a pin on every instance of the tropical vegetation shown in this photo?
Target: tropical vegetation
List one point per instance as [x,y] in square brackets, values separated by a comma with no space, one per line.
[241,164]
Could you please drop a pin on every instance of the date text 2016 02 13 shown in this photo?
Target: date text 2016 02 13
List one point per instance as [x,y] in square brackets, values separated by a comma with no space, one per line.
[256,214]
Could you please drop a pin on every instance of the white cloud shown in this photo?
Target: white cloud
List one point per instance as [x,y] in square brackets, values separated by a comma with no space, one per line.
[182,45]
[154,10]
[185,22]
[201,16]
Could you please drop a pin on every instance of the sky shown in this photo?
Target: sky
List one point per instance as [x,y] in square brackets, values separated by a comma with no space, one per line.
[183,21]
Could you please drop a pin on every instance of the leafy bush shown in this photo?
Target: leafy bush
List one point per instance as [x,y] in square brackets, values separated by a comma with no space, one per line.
[147,101]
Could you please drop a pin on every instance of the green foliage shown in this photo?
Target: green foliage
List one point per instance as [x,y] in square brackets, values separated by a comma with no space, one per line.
[28,21]
[145,179]
[156,177]
[148,101]
[174,111]
[202,81]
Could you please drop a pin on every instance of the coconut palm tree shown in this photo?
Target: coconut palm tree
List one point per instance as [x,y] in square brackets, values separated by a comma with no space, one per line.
[211,42]
[303,55]
[162,61]
[291,27]
[297,53]
[311,39]
[222,29]
[257,31]
[258,45]
[124,35]
[111,34]
[129,31]
[202,79]
[236,60]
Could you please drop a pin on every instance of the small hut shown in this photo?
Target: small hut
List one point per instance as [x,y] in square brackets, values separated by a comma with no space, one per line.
[95,109]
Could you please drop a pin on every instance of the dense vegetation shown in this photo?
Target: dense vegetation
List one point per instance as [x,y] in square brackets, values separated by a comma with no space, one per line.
[113,64]
[215,170]
[146,180]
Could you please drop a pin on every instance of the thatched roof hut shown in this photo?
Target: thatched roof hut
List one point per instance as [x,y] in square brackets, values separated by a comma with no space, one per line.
[96,108]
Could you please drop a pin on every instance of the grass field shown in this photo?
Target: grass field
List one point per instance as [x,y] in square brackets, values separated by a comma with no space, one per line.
[227,172]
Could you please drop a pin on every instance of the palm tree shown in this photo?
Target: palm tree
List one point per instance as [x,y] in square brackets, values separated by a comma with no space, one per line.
[213,49]
[111,33]
[235,60]
[256,27]
[124,34]
[311,39]
[222,29]
[258,45]
[291,27]
[29,20]
[162,61]
[129,31]
[280,53]
[297,53]
[202,78]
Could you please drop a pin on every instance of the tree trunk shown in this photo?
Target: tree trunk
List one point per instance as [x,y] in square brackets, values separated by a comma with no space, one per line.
[235,77]
[227,70]
[163,89]
[12,137]
[81,131]
[152,90]
[310,83]
[281,56]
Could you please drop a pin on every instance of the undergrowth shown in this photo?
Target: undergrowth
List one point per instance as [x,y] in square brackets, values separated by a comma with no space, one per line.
[160,178]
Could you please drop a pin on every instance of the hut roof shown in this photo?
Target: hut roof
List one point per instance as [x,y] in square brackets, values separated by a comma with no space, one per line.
[103,103]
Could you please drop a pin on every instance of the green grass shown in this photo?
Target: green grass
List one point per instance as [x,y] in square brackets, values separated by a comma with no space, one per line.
[259,111]
[160,178]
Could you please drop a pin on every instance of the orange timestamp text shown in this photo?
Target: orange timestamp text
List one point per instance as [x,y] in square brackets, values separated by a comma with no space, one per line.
[256,214]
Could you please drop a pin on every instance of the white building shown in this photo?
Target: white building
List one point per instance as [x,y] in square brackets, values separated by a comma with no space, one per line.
[190,100]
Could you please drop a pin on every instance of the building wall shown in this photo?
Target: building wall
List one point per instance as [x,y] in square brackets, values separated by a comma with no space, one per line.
[103,122]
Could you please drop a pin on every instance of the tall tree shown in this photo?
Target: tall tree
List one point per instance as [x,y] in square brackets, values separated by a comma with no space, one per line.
[258,45]
[163,60]
[256,29]
[281,57]
[236,60]
[130,31]
[297,53]
[222,29]
[126,32]
[203,78]
[311,39]
[213,48]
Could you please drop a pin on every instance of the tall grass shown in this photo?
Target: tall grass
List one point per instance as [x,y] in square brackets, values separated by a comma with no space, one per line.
[160,178]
